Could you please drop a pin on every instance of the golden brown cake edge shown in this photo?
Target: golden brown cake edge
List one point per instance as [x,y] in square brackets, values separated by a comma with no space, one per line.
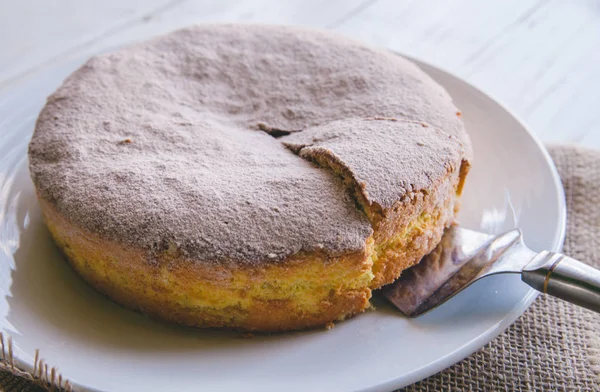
[131,278]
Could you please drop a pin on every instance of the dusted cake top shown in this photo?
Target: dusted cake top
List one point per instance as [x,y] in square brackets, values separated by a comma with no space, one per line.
[388,158]
[165,143]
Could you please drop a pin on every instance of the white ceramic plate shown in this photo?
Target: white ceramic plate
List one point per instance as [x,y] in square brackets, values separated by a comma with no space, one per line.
[100,346]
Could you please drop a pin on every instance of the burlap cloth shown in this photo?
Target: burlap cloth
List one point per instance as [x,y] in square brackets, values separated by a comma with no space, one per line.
[554,346]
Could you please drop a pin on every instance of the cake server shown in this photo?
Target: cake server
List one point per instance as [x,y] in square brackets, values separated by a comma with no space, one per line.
[465,256]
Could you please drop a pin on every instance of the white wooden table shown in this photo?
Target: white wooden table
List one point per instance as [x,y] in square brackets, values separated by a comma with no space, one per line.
[539,58]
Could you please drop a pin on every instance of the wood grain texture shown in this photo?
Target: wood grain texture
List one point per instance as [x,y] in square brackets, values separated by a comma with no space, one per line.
[35,32]
[539,57]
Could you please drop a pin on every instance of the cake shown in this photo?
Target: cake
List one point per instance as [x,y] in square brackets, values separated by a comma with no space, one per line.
[251,177]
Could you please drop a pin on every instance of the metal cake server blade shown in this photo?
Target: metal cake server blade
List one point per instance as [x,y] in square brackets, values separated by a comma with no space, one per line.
[465,256]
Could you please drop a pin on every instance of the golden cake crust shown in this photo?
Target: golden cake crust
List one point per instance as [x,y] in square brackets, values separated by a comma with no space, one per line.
[257,298]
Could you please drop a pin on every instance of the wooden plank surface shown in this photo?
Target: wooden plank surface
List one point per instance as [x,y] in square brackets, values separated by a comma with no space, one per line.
[540,58]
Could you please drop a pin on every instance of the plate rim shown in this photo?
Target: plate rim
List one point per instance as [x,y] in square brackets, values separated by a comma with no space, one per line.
[480,341]
[443,362]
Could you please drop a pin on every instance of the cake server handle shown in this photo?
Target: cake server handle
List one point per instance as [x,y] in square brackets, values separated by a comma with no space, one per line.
[565,278]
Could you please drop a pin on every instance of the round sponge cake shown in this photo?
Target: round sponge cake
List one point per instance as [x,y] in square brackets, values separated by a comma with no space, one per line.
[251,177]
